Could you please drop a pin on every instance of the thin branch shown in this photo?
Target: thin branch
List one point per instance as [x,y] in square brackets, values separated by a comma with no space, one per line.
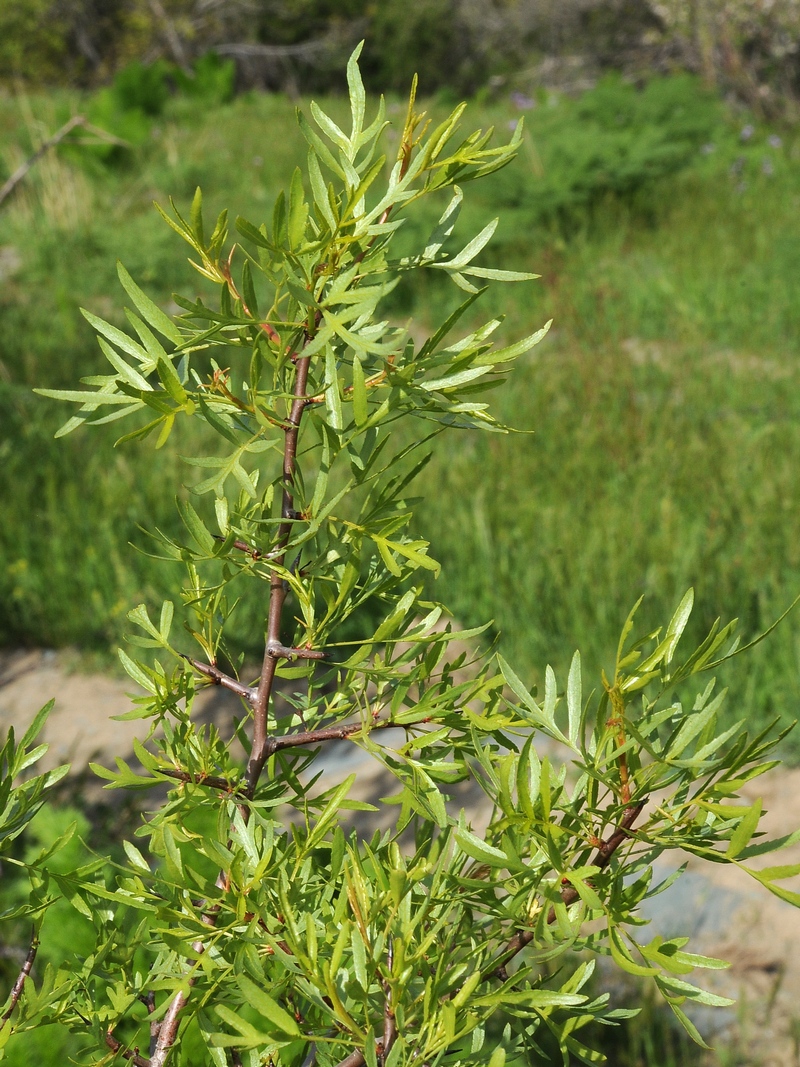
[305,51]
[149,1001]
[569,894]
[218,677]
[209,780]
[25,971]
[9,186]
[168,1031]
[329,733]
[278,651]
[132,1055]
[355,1059]
[254,553]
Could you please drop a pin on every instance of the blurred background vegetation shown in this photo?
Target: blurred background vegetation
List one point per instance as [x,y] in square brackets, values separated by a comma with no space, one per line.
[658,194]
[662,213]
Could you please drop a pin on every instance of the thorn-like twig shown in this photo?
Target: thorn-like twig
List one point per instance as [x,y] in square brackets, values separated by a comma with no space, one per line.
[328,733]
[249,550]
[132,1055]
[25,971]
[279,651]
[209,780]
[149,1001]
[218,677]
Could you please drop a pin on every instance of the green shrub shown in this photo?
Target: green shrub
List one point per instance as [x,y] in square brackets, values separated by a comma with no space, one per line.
[614,140]
[211,80]
[249,920]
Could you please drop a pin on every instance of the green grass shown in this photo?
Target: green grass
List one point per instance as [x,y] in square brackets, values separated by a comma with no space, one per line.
[664,403]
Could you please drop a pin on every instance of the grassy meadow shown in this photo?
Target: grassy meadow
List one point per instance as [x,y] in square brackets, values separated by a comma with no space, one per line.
[664,405]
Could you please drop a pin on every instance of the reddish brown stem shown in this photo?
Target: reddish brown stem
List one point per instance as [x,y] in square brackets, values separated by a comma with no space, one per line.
[278,651]
[277,592]
[389,1021]
[168,1030]
[218,677]
[242,546]
[132,1056]
[24,973]
[208,780]
[329,733]
[569,894]
[355,1059]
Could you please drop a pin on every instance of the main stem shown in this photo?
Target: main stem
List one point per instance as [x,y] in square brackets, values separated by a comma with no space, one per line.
[277,588]
[273,650]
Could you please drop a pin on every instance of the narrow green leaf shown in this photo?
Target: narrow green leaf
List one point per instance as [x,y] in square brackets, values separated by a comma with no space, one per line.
[358,98]
[150,311]
[196,527]
[479,850]
[298,211]
[574,700]
[688,1025]
[90,399]
[329,127]
[317,145]
[38,722]
[501,275]
[333,396]
[320,192]
[450,381]
[678,624]
[745,830]
[267,1007]
[622,956]
[131,376]
[135,856]
[359,958]
[196,216]
[171,381]
[677,987]
[469,251]
[387,557]
[134,671]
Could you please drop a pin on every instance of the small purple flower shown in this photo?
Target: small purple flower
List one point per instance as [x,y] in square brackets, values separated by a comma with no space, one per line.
[747,132]
[513,123]
[707,149]
[767,167]
[522,102]
[774,141]
[737,166]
